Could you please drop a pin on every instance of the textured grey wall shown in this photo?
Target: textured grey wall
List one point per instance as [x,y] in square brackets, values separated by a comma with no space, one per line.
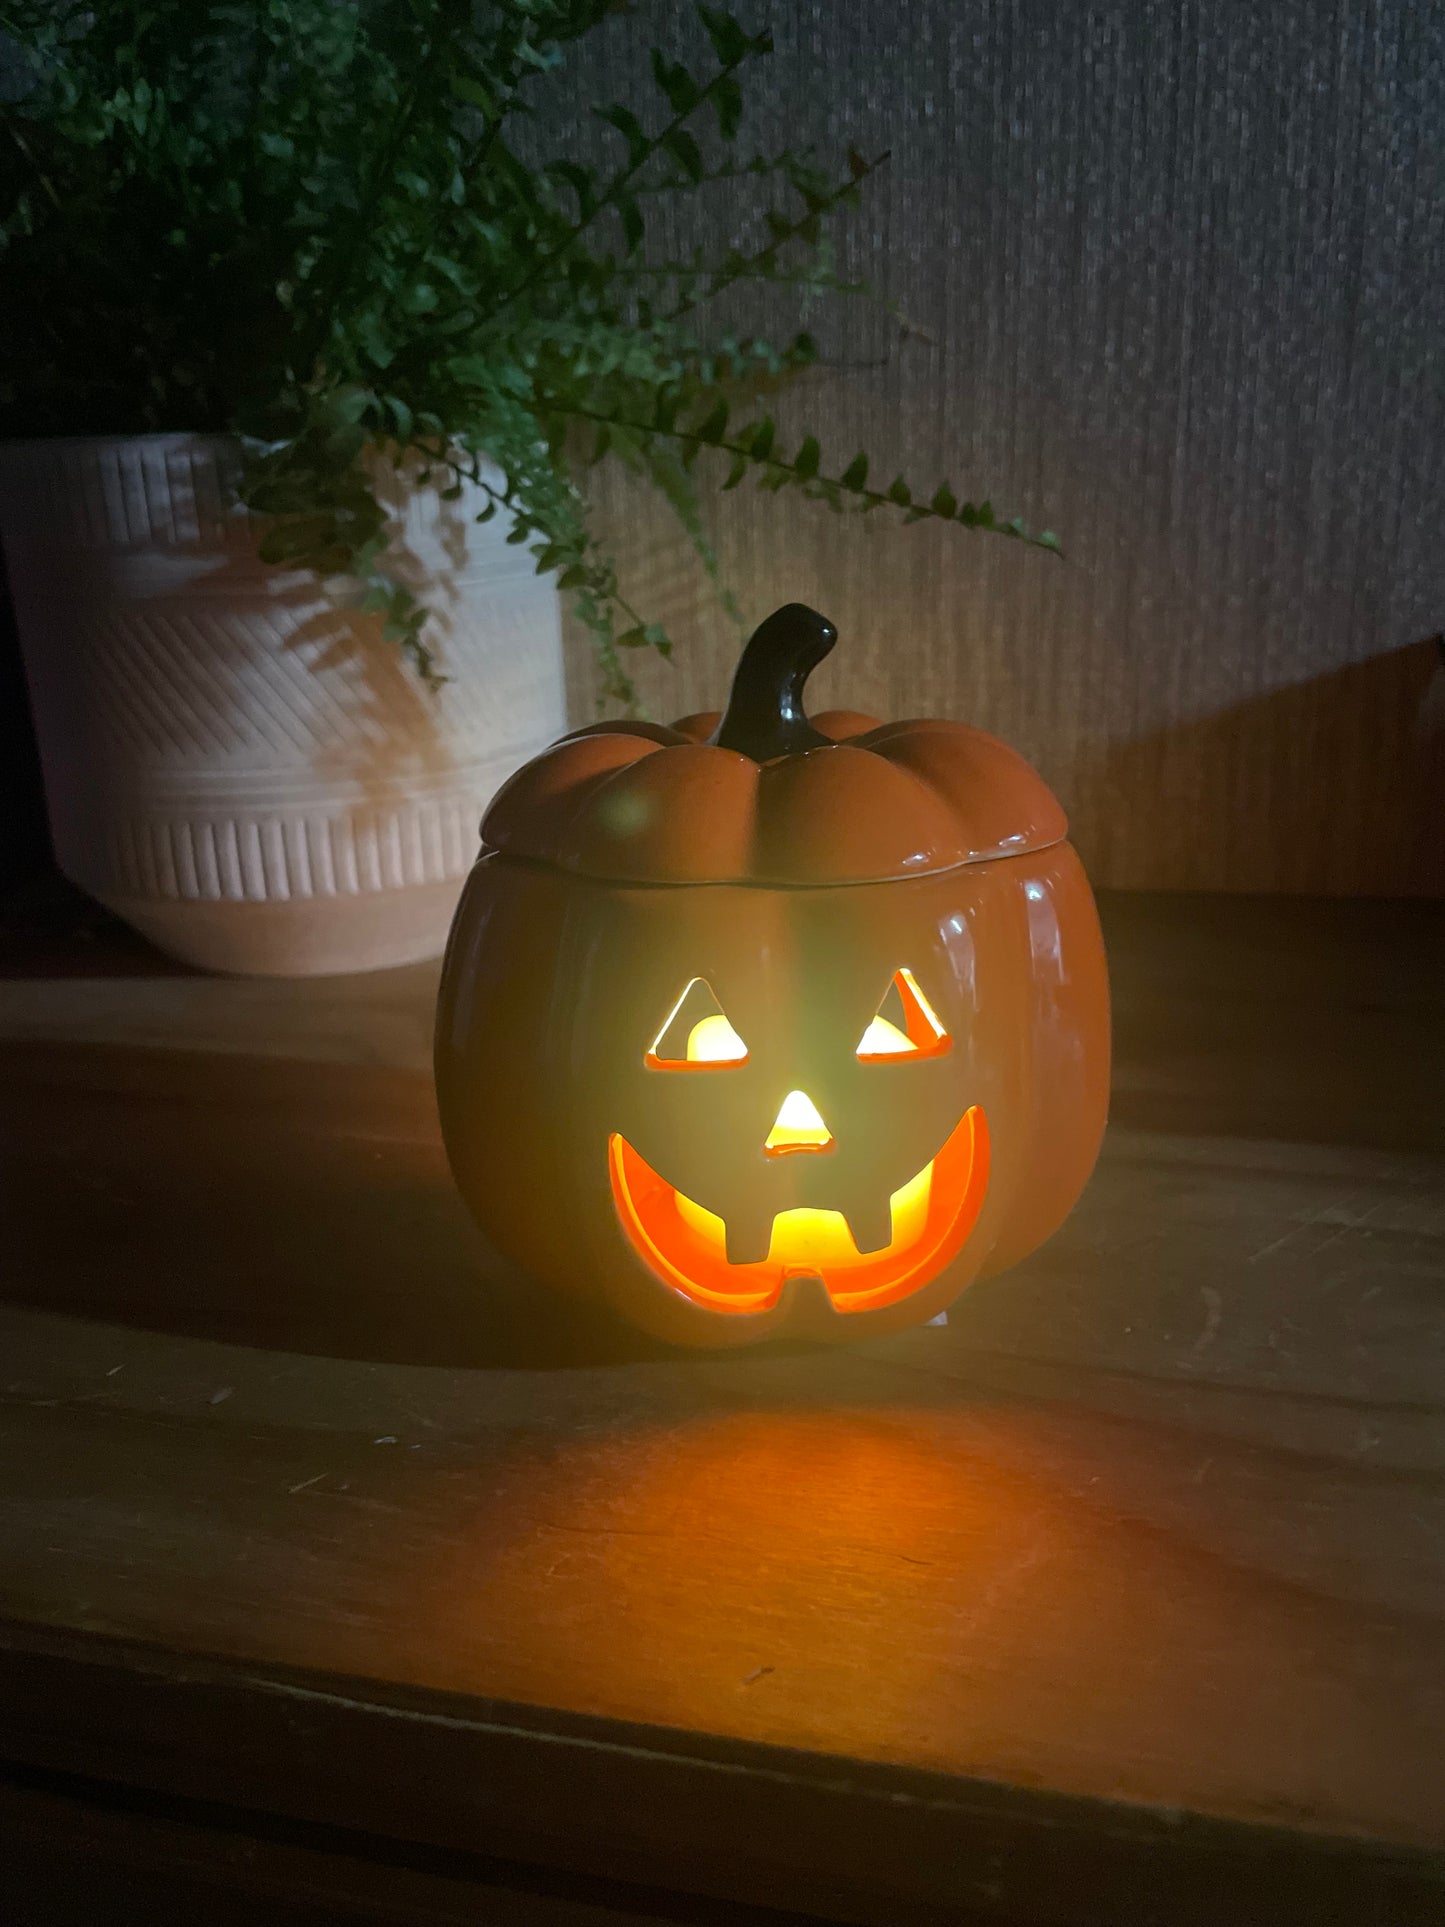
[1182,267]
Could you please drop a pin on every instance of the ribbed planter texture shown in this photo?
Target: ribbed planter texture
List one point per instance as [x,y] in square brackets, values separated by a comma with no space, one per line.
[235,762]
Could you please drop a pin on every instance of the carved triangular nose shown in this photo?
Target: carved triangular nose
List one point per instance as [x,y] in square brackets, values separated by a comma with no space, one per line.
[797,1127]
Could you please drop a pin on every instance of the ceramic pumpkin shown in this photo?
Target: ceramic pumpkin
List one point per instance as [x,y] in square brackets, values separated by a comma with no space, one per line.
[755,1025]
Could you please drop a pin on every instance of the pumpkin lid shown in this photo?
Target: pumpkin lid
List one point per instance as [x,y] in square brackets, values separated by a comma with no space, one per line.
[763,794]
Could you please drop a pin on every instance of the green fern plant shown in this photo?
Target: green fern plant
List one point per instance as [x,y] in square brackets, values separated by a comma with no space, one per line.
[313,224]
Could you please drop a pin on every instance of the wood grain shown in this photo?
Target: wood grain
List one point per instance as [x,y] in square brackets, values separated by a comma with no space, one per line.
[78,1852]
[1173,274]
[1116,1600]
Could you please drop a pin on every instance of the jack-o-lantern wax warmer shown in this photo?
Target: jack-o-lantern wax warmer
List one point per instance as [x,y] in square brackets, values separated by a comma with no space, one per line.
[761,1025]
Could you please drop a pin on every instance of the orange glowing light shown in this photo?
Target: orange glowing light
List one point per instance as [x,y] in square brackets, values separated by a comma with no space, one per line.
[798,1127]
[906,1025]
[695,1034]
[686,1245]
[714,1041]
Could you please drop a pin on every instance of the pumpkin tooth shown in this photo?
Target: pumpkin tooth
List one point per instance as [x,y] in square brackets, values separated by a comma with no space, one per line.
[871,1226]
[804,1294]
[748,1235]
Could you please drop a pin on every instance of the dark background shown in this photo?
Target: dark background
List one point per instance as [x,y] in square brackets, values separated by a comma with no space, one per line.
[1180,270]
[1175,276]
[24,843]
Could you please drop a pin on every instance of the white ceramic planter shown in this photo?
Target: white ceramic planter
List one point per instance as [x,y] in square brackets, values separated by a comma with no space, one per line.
[234,762]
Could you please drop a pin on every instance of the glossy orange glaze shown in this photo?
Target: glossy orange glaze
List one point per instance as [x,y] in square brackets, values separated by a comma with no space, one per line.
[557,985]
[872,941]
[643,803]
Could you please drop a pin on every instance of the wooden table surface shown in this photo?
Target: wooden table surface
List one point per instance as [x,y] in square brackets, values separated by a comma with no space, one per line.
[1120,1599]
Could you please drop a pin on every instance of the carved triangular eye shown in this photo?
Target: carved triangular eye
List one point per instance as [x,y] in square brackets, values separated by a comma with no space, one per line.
[696,1036]
[906,1025]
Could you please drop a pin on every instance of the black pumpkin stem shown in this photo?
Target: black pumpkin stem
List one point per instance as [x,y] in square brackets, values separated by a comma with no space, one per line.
[765,717]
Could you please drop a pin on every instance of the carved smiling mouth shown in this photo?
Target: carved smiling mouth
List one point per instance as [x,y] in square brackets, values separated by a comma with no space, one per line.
[686,1244]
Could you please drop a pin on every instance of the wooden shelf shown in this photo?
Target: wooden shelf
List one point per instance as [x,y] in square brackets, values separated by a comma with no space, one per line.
[1117,1600]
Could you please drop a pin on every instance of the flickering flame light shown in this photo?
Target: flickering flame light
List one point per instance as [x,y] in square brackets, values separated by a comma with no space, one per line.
[797,1127]
[882,1039]
[713,1040]
[807,1239]
[921,1034]
[710,1042]
[930,1216]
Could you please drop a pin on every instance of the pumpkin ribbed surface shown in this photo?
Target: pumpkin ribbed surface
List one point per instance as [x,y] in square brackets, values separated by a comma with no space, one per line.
[640,802]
